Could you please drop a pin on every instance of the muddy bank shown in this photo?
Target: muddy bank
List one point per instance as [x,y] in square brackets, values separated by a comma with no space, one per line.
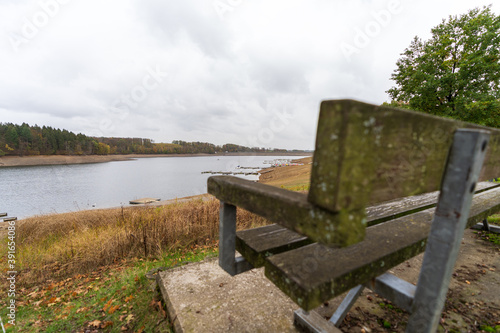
[11,161]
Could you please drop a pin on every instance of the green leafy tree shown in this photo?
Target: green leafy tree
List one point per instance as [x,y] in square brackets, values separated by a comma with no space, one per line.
[456,73]
[11,136]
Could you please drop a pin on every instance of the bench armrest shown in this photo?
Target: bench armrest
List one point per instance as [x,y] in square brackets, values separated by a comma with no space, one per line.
[291,210]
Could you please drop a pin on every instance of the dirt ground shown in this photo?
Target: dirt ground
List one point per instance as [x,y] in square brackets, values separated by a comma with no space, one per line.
[473,300]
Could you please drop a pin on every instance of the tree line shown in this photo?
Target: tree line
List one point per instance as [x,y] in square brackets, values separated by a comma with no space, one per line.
[25,140]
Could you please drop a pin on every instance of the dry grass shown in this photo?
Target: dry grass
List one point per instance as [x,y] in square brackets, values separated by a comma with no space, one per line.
[295,178]
[56,246]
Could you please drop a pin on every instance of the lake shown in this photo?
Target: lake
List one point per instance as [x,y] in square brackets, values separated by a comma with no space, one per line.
[32,190]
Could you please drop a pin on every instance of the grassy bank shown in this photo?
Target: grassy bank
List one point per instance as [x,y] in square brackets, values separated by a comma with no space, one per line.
[95,260]
[57,246]
[294,178]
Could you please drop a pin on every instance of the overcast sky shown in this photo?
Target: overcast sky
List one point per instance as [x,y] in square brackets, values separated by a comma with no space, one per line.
[225,71]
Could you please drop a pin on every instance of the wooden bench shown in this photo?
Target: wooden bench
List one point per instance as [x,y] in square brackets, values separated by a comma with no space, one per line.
[371,206]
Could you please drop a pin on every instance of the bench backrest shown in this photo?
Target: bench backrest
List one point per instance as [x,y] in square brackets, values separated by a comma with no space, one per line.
[367,154]
[364,154]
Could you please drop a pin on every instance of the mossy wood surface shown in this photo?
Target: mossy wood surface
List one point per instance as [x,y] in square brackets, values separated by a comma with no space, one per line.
[367,154]
[291,210]
[315,273]
[392,209]
[257,244]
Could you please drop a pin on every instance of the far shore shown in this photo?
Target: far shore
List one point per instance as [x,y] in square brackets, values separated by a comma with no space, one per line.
[13,161]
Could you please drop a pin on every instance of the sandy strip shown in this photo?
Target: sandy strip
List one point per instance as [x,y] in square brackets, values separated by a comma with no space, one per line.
[8,161]
[11,161]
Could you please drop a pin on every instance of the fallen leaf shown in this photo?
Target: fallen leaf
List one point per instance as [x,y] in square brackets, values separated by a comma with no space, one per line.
[96,323]
[106,324]
[113,309]
[129,318]
[163,312]
[107,305]
[127,299]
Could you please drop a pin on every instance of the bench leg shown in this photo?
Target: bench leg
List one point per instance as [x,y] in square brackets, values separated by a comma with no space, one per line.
[312,322]
[461,174]
[386,285]
[486,225]
[344,307]
[227,242]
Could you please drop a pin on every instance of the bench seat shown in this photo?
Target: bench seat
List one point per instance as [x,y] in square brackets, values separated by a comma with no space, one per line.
[257,244]
[316,273]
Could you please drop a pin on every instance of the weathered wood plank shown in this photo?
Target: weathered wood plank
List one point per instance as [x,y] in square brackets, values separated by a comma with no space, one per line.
[291,210]
[256,244]
[259,243]
[392,209]
[315,273]
[367,154]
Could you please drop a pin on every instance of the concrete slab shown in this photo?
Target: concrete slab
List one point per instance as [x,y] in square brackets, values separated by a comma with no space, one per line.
[201,297]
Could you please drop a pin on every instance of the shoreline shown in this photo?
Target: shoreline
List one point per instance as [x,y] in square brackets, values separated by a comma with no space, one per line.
[38,160]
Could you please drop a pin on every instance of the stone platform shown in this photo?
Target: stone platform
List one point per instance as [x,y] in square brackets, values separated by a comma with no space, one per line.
[201,297]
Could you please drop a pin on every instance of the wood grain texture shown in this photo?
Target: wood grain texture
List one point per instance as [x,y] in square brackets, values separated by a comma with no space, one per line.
[291,210]
[258,244]
[315,273]
[367,154]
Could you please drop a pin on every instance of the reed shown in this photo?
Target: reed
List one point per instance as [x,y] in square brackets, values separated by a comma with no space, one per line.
[60,245]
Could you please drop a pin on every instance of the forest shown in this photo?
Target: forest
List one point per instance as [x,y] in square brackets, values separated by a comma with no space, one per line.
[24,140]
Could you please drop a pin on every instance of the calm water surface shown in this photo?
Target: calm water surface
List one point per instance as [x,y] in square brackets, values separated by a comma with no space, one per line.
[27,191]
